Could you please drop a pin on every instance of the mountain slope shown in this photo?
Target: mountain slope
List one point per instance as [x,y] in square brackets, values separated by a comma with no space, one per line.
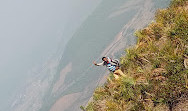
[156,68]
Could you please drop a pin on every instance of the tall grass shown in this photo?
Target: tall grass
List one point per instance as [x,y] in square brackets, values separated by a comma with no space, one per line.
[156,78]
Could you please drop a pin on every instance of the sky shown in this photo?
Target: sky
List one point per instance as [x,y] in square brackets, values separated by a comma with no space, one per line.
[31,32]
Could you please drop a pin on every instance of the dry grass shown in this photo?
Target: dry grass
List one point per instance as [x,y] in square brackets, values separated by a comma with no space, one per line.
[156,67]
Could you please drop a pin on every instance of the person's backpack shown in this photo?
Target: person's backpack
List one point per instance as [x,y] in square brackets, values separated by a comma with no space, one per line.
[115,62]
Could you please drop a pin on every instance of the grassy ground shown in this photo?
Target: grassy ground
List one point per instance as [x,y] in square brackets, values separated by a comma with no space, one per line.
[156,69]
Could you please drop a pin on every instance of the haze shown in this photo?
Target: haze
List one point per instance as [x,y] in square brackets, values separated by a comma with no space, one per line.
[30,33]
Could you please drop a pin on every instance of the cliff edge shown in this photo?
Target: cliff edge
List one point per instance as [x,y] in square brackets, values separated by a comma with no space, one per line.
[156,68]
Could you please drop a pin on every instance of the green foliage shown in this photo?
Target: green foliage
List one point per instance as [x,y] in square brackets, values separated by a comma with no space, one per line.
[175,18]
[186,51]
[181,28]
[90,107]
[177,3]
[156,64]
[155,73]
[99,93]
[82,108]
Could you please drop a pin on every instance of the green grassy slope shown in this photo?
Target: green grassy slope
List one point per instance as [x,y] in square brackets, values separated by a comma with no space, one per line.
[156,75]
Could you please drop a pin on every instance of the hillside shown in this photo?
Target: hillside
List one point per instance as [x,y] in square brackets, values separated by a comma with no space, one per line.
[156,68]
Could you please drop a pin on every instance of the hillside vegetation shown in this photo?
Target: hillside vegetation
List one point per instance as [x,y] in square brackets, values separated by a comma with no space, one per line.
[156,68]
